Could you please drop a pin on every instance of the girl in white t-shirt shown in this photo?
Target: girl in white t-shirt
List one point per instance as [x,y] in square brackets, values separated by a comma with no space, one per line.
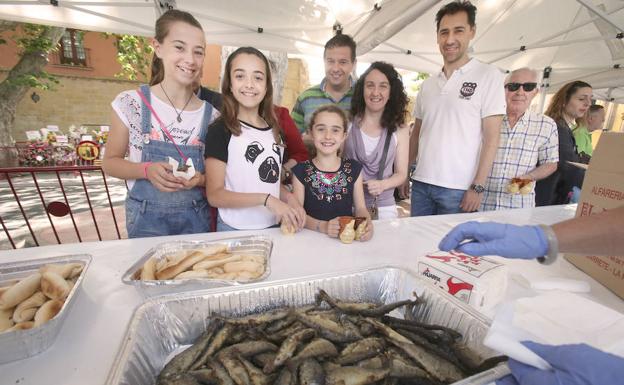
[161,121]
[244,151]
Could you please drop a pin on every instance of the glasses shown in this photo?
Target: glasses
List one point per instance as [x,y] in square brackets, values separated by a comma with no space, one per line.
[527,87]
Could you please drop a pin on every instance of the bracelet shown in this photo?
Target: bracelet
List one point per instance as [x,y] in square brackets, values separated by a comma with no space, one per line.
[553,246]
[145,166]
[266,199]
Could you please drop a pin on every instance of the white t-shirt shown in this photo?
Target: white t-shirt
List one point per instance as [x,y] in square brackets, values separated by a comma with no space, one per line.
[253,165]
[127,106]
[451,133]
[371,142]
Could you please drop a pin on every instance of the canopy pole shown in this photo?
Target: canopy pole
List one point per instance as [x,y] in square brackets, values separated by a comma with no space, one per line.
[544,88]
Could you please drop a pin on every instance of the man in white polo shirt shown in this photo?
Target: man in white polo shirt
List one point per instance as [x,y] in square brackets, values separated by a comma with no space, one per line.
[458,116]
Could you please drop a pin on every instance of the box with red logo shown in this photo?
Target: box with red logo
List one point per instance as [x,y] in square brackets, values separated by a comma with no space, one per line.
[603,189]
[477,281]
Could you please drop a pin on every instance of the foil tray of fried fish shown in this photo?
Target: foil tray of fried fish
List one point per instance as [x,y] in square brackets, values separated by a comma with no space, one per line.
[193,265]
[381,325]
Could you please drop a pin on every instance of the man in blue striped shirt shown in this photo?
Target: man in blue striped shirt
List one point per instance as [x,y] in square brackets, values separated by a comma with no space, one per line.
[529,146]
[336,87]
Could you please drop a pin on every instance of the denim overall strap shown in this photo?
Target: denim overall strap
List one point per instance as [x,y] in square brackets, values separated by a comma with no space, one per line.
[205,121]
[146,115]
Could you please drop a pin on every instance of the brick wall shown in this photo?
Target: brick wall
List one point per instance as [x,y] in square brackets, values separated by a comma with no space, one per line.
[75,101]
[297,81]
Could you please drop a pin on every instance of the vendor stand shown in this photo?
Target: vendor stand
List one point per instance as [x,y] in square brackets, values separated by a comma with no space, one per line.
[89,340]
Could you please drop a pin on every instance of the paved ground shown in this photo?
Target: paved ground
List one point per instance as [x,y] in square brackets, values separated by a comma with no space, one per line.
[51,191]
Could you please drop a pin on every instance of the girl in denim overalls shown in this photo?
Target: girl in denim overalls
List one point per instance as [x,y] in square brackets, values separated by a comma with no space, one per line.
[160,121]
[244,151]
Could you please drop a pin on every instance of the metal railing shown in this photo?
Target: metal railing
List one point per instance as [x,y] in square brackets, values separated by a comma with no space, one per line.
[26,198]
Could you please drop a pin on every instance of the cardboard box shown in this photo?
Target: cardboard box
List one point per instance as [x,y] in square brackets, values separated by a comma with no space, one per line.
[603,189]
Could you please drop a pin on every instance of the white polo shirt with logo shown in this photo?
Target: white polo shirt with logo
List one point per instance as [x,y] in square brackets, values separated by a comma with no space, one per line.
[451,111]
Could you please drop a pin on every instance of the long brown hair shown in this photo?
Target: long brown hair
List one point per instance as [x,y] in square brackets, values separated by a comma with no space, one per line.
[229,111]
[562,98]
[162,30]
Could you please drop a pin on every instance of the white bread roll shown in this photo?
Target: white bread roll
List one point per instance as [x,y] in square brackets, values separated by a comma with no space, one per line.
[26,310]
[193,274]
[54,286]
[47,311]
[183,265]
[67,270]
[209,264]
[6,320]
[21,326]
[20,291]
[148,272]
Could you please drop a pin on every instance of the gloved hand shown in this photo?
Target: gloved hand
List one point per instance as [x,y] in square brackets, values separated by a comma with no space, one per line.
[492,238]
[578,364]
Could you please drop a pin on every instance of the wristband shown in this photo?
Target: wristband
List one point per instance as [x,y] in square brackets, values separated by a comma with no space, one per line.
[553,246]
[145,166]
[266,199]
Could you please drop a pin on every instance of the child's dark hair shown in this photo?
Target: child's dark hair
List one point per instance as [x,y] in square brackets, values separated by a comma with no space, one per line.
[341,40]
[456,7]
[229,111]
[396,108]
[333,109]
[162,30]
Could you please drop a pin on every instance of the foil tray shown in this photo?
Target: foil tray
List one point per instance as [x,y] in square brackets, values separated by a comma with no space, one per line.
[251,244]
[166,324]
[20,344]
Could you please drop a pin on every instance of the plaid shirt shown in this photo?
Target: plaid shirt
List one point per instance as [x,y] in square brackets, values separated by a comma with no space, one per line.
[533,141]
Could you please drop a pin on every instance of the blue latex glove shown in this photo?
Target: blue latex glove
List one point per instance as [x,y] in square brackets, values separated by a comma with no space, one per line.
[572,365]
[526,242]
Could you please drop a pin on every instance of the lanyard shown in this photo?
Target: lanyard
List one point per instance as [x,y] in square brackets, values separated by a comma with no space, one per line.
[162,125]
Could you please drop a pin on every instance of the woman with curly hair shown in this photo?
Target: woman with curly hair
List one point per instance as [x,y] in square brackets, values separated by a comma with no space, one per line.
[378,136]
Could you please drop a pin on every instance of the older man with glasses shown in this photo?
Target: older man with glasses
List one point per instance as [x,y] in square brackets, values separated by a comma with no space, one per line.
[528,149]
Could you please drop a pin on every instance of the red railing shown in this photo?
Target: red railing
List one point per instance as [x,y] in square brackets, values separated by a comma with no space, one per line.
[22,182]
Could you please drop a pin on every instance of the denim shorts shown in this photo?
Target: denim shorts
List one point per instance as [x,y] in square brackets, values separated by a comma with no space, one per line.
[146,219]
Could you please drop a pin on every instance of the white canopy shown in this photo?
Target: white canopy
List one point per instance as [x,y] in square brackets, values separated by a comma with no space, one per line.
[575,39]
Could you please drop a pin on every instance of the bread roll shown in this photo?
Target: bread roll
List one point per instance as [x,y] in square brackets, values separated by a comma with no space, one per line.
[21,326]
[54,286]
[148,272]
[20,291]
[47,311]
[26,310]
[6,320]
[183,265]
[347,234]
[209,264]
[67,270]
[360,227]
[287,228]
[193,274]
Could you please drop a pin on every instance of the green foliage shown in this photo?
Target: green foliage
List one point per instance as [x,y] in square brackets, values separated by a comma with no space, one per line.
[41,80]
[33,39]
[133,54]
[417,81]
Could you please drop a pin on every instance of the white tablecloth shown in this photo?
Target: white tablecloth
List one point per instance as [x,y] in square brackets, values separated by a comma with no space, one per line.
[90,338]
